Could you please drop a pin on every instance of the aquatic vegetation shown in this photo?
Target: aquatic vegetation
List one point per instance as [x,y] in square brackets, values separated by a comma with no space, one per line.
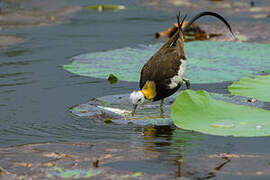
[216,114]
[220,61]
[112,79]
[198,111]
[257,87]
[72,173]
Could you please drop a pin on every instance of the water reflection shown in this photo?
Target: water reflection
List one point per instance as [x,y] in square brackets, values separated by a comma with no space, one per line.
[157,136]
[177,140]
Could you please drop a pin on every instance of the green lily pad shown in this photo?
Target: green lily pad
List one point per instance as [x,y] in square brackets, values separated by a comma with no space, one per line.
[117,109]
[196,110]
[207,62]
[256,87]
[105,7]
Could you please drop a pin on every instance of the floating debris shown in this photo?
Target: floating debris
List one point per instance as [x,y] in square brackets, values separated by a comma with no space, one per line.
[106,7]
[96,164]
[252,100]
[194,32]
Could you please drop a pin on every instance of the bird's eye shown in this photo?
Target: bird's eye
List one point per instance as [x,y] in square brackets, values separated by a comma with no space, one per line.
[139,100]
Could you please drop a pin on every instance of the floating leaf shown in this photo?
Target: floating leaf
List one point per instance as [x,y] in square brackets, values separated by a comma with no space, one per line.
[105,7]
[207,61]
[259,16]
[112,79]
[108,120]
[120,107]
[196,110]
[48,164]
[137,174]
[27,165]
[256,87]
[119,111]
[226,155]
[73,173]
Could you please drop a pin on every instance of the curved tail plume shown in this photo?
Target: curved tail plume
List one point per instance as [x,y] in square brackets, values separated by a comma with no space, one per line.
[208,13]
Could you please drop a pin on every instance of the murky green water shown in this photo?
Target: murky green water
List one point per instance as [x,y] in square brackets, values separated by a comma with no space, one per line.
[36,93]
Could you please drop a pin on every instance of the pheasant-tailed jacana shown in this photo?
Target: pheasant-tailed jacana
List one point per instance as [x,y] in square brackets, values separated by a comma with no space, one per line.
[163,74]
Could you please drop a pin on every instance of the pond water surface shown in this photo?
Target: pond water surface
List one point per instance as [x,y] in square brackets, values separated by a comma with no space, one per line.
[36,92]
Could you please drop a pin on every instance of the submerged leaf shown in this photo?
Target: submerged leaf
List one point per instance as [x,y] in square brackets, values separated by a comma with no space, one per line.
[256,87]
[207,61]
[196,110]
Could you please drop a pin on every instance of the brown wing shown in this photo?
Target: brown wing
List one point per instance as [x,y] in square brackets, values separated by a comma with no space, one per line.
[161,67]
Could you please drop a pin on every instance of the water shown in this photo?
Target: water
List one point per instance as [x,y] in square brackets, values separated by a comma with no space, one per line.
[36,93]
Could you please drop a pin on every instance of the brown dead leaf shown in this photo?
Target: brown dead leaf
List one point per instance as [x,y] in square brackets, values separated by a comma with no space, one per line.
[106,156]
[259,9]
[170,31]
[83,111]
[3,171]
[57,155]
[52,155]
[225,155]
[49,164]
[96,164]
[28,165]
[112,150]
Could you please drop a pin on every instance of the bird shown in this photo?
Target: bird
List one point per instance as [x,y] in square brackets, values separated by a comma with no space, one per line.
[163,74]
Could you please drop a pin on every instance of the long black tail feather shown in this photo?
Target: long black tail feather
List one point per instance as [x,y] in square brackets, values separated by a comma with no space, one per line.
[208,13]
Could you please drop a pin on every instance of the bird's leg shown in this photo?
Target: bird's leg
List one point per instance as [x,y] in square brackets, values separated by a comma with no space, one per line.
[187,83]
[161,108]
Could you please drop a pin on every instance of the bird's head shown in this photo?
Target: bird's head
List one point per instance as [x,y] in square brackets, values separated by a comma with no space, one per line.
[137,98]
